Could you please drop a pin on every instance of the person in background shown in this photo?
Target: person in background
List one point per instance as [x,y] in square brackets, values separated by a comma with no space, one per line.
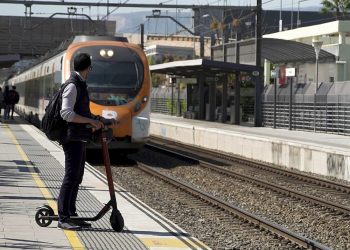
[2,104]
[7,103]
[13,99]
[76,111]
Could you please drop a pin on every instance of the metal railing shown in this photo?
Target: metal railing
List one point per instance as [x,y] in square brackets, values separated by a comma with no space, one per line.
[329,117]
[167,106]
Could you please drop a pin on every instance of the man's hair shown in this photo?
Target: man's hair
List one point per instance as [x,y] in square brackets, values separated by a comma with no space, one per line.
[13,87]
[82,62]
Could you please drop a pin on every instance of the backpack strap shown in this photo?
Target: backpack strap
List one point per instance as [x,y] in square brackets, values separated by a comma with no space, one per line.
[66,84]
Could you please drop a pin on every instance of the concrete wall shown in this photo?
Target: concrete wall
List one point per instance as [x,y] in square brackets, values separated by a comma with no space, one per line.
[36,35]
[302,156]
[181,41]
[307,72]
[344,55]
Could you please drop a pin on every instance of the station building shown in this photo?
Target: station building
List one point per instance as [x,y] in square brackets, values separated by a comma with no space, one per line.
[336,40]
[160,53]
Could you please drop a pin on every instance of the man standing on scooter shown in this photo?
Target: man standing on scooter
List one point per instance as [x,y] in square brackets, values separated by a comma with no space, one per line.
[76,111]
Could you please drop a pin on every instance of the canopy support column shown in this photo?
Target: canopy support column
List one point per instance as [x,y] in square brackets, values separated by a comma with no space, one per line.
[224,99]
[200,80]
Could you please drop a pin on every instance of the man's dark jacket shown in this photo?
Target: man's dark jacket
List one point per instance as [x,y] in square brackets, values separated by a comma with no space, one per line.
[79,131]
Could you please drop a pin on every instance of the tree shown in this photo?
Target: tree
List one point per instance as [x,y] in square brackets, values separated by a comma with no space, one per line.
[151,60]
[216,26]
[339,7]
[158,80]
[236,22]
[236,26]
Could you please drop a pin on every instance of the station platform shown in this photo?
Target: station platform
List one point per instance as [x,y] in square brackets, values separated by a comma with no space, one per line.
[31,172]
[319,153]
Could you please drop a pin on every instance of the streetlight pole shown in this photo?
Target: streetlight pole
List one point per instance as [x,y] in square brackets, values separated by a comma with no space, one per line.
[298,18]
[107,10]
[201,35]
[277,73]
[258,81]
[291,16]
[317,45]
[224,37]
[280,22]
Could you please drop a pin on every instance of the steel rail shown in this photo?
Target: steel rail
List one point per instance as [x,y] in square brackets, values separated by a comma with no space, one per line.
[278,189]
[261,183]
[245,215]
[260,165]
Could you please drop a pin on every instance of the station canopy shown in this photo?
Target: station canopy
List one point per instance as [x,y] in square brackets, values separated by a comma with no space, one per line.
[277,51]
[197,67]
[286,51]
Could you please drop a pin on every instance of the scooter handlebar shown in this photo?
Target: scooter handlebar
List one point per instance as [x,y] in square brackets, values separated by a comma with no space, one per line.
[106,122]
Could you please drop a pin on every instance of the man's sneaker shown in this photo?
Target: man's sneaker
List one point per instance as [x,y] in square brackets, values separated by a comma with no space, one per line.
[68,225]
[81,223]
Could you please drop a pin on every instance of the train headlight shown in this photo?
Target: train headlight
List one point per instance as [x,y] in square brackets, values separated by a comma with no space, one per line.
[106,53]
[103,53]
[145,99]
[110,53]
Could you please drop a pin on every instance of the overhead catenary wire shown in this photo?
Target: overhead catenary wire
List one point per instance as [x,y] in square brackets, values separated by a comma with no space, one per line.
[265,27]
[113,10]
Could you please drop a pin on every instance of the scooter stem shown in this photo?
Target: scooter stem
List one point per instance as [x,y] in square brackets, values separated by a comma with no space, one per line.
[107,164]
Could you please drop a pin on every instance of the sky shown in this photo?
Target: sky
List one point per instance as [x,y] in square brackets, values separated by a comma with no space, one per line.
[43,11]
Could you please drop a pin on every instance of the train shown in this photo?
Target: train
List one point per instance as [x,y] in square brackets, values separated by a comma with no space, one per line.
[119,84]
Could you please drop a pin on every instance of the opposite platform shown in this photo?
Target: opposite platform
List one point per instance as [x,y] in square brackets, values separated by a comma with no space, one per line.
[325,154]
[31,169]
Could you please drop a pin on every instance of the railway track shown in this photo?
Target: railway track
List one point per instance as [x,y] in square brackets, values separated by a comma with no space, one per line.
[237,218]
[339,193]
[233,192]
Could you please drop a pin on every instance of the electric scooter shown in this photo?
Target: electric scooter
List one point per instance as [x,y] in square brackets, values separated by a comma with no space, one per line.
[45,214]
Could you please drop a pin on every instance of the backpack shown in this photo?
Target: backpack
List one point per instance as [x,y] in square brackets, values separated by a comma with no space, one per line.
[52,123]
[13,97]
[16,98]
[2,101]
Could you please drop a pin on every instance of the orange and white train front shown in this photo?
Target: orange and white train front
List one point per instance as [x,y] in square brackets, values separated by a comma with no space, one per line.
[119,86]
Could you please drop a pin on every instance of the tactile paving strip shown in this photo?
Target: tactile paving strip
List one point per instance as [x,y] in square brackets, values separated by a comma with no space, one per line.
[101,235]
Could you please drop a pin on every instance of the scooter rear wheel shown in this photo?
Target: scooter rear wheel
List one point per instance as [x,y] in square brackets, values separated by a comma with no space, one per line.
[117,221]
[44,211]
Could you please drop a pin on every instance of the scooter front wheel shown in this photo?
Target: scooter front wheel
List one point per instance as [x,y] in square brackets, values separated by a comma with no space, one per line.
[44,211]
[117,221]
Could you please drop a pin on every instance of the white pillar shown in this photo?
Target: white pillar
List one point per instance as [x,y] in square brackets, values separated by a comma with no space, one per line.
[315,38]
[267,72]
[342,38]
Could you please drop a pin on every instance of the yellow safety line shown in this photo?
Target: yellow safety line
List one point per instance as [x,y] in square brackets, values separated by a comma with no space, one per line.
[170,243]
[71,235]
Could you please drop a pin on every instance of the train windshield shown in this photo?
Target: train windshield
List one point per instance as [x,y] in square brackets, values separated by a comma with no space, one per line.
[116,75]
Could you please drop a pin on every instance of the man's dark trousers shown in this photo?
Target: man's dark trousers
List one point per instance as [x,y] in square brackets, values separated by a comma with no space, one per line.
[75,154]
